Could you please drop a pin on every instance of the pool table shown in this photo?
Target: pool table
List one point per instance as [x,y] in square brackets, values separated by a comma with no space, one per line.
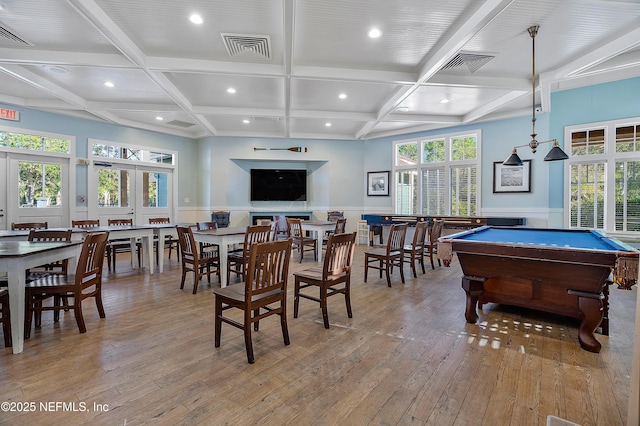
[563,271]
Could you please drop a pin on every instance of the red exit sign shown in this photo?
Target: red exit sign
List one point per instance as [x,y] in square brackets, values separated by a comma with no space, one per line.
[9,114]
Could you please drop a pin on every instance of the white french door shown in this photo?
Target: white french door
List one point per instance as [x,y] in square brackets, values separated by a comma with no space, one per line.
[129,191]
[37,189]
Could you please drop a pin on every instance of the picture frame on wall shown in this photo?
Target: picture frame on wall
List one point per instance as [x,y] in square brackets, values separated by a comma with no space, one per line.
[509,179]
[378,183]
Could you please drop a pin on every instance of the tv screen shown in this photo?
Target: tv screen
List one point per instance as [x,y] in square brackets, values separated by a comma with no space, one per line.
[278,185]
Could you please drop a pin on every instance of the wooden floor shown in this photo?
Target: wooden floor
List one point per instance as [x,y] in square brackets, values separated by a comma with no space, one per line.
[406,357]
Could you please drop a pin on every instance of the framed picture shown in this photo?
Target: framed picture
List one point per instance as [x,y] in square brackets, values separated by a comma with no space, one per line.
[377,183]
[512,178]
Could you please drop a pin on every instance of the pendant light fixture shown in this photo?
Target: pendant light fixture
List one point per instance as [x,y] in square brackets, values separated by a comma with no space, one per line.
[556,153]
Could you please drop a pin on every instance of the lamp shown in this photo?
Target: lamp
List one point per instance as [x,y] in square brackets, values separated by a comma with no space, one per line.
[556,153]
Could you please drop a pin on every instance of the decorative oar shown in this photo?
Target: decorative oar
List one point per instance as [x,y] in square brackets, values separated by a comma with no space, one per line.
[292,149]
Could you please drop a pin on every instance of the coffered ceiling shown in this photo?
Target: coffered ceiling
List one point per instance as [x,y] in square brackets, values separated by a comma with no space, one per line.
[290,60]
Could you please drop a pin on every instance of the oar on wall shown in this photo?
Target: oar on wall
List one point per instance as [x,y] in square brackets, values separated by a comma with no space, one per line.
[292,149]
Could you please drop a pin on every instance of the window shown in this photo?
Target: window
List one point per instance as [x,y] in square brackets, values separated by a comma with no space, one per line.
[34,142]
[604,176]
[39,184]
[438,176]
[105,150]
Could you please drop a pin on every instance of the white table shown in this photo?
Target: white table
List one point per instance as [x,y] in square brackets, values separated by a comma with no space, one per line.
[319,228]
[161,231]
[223,237]
[132,232]
[18,256]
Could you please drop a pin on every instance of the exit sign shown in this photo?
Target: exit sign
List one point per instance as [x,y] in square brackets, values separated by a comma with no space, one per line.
[9,114]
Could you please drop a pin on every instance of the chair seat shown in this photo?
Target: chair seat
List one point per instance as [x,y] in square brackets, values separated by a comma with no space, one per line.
[382,252]
[315,274]
[236,292]
[52,281]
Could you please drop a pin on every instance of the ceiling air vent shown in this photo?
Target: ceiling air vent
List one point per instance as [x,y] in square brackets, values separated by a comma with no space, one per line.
[243,44]
[472,61]
[9,34]
[179,123]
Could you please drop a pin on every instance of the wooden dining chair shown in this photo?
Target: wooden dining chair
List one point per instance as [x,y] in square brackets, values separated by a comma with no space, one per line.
[222,218]
[388,256]
[415,251]
[205,226]
[264,293]
[85,283]
[281,231]
[237,261]
[60,267]
[87,223]
[120,244]
[431,244]
[25,226]
[5,317]
[194,260]
[170,241]
[300,241]
[336,270]
[341,224]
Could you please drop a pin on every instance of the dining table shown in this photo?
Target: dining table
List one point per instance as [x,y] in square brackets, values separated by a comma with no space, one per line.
[132,232]
[16,257]
[318,228]
[223,237]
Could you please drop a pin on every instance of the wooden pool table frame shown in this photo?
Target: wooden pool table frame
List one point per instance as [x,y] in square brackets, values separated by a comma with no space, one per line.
[564,281]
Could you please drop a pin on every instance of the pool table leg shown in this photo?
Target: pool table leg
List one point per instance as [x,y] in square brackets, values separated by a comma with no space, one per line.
[473,286]
[592,308]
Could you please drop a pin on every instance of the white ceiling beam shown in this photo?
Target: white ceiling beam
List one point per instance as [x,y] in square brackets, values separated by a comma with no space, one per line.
[479,82]
[352,74]
[288,31]
[493,105]
[185,65]
[63,58]
[423,118]
[445,49]
[596,55]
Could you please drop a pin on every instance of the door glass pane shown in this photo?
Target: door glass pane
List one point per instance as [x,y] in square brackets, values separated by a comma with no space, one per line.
[628,196]
[587,195]
[155,189]
[113,188]
[39,184]
[407,197]
[433,201]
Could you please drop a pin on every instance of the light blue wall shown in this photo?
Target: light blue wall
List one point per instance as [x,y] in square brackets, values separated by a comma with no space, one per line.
[497,141]
[84,129]
[602,102]
[214,171]
[335,171]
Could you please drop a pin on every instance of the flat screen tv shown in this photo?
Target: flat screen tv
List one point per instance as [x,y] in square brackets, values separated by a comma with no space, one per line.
[278,185]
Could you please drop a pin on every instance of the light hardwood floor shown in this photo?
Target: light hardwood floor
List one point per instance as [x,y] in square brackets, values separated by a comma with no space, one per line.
[406,357]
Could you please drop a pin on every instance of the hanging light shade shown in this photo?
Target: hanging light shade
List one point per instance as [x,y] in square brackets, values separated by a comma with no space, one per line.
[556,153]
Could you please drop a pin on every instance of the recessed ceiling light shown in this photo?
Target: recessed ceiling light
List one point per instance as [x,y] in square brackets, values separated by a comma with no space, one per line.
[56,69]
[327,124]
[374,33]
[109,84]
[342,96]
[231,90]
[402,109]
[246,121]
[444,101]
[159,118]
[196,19]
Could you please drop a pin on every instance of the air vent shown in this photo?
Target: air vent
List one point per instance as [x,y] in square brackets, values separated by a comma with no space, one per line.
[179,123]
[247,44]
[472,61]
[9,34]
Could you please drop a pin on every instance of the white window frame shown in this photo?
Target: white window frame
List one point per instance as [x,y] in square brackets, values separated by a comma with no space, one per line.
[609,158]
[448,164]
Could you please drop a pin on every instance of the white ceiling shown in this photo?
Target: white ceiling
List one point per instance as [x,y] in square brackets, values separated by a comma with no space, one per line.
[163,65]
